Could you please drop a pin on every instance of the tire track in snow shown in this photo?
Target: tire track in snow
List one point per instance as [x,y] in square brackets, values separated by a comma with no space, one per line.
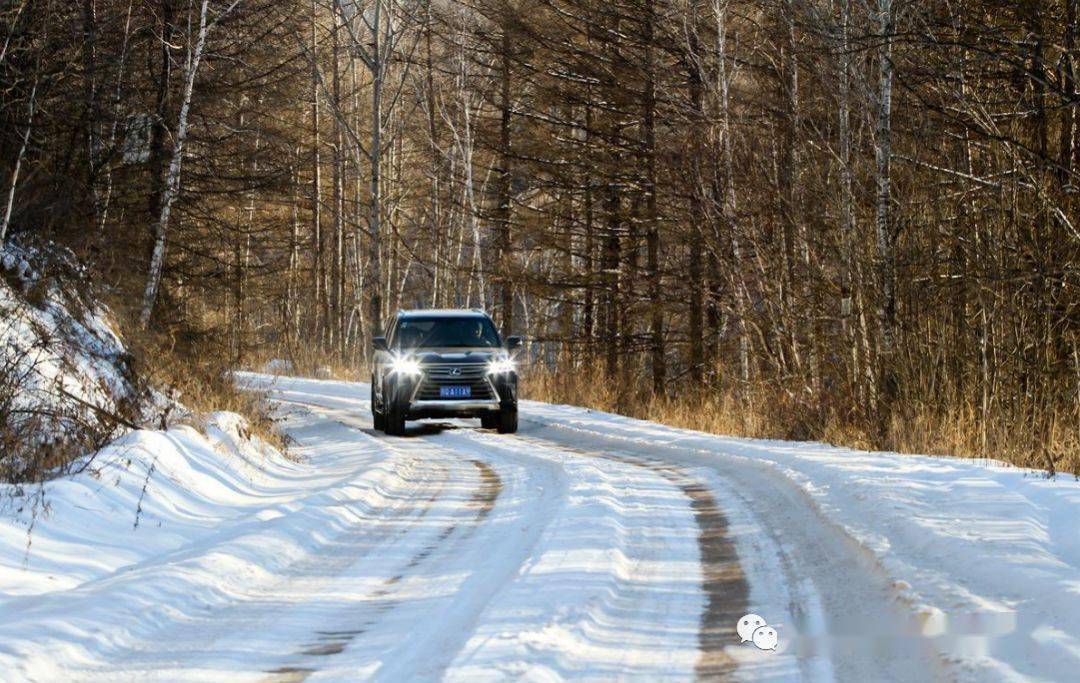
[271,605]
[333,642]
[724,584]
[307,660]
[488,554]
[483,501]
[843,620]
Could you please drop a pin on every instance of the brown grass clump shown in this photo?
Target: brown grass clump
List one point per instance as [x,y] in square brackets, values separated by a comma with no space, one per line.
[941,424]
[190,368]
[308,361]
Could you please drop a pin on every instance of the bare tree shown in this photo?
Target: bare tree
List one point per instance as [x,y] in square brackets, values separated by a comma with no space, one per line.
[172,178]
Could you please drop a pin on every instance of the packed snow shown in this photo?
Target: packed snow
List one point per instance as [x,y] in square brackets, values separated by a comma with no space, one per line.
[986,556]
[587,546]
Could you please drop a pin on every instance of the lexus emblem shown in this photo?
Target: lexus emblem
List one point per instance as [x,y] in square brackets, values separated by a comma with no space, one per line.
[455,371]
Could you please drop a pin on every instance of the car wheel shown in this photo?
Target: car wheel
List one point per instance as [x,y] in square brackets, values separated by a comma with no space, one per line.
[489,421]
[394,421]
[377,418]
[508,421]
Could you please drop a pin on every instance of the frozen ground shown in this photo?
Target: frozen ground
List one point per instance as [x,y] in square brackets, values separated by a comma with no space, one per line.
[587,546]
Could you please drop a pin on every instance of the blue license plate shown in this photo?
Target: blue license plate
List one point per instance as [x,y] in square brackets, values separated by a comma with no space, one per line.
[455,392]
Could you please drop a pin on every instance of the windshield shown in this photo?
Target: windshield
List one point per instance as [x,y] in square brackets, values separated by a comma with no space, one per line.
[417,333]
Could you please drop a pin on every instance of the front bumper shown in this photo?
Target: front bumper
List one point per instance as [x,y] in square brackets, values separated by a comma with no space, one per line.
[504,388]
[452,408]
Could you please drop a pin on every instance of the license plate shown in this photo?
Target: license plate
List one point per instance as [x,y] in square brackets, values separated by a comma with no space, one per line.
[455,392]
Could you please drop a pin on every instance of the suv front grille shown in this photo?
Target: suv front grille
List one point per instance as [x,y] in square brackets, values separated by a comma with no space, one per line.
[445,373]
[474,375]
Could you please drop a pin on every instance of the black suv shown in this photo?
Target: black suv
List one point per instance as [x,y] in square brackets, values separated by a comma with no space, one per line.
[443,363]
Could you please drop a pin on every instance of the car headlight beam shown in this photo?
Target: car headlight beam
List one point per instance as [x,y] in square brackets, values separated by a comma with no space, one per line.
[405,365]
[500,366]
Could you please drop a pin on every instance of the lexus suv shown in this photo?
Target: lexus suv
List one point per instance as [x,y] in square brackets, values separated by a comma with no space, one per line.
[443,363]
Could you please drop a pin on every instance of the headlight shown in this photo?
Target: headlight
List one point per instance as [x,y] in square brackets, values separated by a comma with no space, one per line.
[405,365]
[501,366]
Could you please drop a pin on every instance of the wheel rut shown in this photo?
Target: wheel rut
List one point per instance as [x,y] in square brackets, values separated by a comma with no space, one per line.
[724,584]
[327,643]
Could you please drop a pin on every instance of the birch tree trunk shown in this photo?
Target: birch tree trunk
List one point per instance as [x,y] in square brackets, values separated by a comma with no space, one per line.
[90,105]
[13,184]
[106,200]
[316,184]
[885,238]
[172,179]
[850,309]
[336,323]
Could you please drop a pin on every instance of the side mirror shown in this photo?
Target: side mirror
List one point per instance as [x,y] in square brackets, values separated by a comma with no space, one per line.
[379,344]
[513,343]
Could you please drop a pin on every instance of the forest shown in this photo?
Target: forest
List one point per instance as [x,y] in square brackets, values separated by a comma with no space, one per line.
[845,220]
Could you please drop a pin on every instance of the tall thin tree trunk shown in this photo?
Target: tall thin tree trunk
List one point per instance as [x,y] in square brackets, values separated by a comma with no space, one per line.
[1068,151]
[434,214]
[292,295]
[588,316]
[695,330]
[788,179]
[885,238]
[847,201]
[172,179]
[503,189]
[14,182]
[652,218]
[106,201]
[375,157]
[159,127]
[319,269]
[729,199]
[337,317]
[611,280]
[90,105]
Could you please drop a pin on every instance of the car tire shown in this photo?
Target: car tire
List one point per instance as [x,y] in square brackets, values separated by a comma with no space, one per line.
[378,419]
[508,421]
[489,421]
[394,421]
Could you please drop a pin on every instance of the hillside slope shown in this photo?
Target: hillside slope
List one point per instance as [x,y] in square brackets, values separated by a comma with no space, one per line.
[67,385]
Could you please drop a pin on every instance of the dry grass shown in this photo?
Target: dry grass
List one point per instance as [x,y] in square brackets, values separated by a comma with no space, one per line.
[945,425]
[198,374]
[310,361]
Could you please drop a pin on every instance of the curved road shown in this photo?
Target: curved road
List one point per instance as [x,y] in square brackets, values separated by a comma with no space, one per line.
[560,552]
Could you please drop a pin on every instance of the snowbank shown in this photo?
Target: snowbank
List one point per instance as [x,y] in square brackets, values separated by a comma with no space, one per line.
[144,494]
[90,559]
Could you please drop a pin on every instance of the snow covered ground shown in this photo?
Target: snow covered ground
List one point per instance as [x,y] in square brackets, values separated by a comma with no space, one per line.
[586,546]
[62,364]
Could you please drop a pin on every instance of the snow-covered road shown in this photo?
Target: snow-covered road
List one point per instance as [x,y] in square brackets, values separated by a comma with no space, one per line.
[586,546]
